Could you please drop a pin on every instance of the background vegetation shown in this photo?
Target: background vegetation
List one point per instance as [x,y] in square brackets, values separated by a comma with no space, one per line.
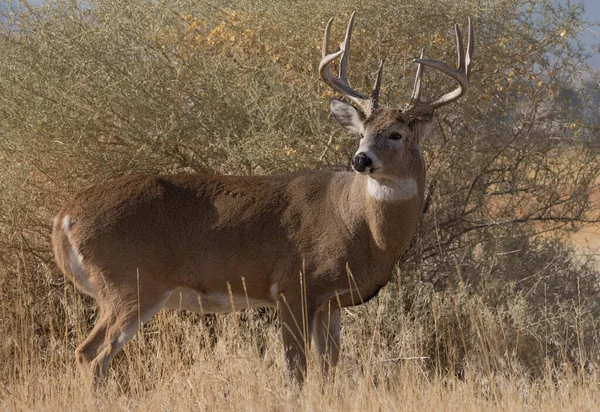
[491,306]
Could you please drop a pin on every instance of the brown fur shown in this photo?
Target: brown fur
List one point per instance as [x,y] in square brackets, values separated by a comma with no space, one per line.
[207,232]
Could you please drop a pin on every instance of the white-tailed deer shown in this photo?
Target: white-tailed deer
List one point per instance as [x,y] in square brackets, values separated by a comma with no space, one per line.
[141,243]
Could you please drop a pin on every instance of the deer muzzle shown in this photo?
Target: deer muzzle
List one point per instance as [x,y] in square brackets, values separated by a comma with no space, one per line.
[361,162]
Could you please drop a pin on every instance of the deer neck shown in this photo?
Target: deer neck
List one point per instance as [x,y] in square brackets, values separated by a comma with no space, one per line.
[388,209]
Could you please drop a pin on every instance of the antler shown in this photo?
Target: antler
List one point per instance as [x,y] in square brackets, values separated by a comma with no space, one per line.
[340,84]
[461,74]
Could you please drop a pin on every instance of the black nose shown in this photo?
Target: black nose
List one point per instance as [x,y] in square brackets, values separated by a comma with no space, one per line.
[360,162]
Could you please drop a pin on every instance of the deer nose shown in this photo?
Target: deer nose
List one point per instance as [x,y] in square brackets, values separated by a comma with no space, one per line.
[360,162]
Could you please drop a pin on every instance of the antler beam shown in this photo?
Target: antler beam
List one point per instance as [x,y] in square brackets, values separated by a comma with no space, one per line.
[340,83]
[461,75]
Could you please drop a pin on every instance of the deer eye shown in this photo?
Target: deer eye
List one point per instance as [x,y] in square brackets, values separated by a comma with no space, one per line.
[395,136]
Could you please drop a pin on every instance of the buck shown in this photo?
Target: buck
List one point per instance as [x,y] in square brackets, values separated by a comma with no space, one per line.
[309,243]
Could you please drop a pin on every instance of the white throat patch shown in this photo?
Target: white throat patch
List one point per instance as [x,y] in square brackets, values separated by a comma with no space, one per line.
[392,190]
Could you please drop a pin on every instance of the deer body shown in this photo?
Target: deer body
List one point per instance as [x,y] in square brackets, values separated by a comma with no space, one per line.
[309,243]
[204,232]
[188,241]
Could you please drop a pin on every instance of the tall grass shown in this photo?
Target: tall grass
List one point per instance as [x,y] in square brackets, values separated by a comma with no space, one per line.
[440,351]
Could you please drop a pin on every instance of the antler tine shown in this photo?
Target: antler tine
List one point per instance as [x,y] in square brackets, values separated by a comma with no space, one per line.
[470,48]
[416,94]
[377,87]
[460,49]
[340,83]
[325,46]
[345,47]
[461,75]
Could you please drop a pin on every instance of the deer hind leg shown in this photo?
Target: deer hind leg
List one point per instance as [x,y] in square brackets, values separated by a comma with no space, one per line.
[116,326]
[88,349]
[326,334]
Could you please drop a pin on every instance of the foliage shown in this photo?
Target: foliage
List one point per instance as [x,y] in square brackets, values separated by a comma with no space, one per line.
[95,89]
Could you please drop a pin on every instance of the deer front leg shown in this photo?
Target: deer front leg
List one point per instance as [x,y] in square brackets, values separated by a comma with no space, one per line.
[295,336]
[326,334]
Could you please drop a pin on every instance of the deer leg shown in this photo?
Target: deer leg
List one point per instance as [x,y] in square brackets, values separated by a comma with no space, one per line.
[326,334]
[124,330]
[295,337]
[88,349]
[117,325]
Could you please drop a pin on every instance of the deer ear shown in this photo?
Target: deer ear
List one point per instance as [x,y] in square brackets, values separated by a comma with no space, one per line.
[348,116]
[422,124]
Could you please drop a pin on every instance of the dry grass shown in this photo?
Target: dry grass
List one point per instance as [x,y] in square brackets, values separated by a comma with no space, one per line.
[237,380]
[454,352]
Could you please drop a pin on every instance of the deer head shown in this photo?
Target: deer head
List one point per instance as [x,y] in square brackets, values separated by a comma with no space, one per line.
[388,135]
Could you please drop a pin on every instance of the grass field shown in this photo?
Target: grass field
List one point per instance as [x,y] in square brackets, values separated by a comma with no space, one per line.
[389,361]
